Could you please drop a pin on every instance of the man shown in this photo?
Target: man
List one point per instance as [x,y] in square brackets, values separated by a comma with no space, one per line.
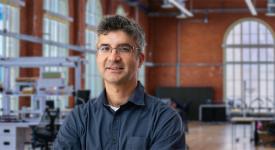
[123,117]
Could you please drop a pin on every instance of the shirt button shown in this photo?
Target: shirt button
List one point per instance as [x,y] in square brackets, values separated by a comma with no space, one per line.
[114,140]
[115,128]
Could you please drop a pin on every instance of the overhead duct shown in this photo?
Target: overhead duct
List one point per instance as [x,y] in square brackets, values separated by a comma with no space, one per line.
[181,6]
[271,8]
[251,7]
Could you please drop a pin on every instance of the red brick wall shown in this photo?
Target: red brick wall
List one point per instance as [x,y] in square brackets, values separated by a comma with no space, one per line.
[198,43]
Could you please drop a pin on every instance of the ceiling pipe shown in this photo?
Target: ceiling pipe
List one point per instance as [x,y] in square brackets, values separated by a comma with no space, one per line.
[251,7]
[209,11]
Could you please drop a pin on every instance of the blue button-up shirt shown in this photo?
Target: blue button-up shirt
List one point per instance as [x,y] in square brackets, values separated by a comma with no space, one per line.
[142,123]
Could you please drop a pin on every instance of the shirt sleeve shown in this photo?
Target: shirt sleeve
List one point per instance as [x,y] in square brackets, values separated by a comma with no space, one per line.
[169,132]
[68,137]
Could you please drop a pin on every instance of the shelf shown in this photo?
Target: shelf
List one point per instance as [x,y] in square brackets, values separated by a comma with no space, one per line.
[38,88]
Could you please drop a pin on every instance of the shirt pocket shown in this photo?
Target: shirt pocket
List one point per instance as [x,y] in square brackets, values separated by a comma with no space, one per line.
[136,143]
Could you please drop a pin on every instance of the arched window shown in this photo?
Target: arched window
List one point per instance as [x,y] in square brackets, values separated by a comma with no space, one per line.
[249,65]
[93,80]
[9,47]
[56,28]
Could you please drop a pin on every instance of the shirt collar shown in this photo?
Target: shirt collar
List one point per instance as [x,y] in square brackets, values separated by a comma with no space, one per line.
[136,98]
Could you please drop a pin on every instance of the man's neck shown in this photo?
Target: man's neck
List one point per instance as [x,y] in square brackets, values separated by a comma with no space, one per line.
[118,95]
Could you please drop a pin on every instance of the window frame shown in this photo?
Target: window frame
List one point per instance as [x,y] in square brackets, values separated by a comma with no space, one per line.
[250,61]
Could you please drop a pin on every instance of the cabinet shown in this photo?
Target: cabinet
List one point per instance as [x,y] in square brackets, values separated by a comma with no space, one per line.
[7,137]
[42,86]
[212,112]
[13,135]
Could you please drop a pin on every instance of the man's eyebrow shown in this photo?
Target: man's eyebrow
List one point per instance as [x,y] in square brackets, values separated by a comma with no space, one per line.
[104,44]
[124,44]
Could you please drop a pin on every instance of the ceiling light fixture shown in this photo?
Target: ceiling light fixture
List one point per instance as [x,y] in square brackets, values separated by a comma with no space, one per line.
[181,7]
[166,4]
[251,7]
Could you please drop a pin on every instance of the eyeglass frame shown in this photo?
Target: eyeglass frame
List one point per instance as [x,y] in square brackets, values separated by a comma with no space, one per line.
[132,48]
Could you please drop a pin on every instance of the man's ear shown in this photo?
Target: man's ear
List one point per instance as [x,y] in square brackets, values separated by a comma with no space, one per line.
[141,59]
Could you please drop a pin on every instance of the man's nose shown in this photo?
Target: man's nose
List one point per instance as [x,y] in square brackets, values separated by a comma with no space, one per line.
[114,55]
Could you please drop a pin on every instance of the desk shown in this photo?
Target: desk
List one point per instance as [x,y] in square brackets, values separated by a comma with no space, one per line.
[14,134]
[235,121]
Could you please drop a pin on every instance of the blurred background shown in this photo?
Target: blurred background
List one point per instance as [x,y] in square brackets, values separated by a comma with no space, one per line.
[211,60]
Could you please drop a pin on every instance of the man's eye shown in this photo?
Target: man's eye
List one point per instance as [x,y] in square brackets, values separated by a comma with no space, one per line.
[104,49]
[124,49]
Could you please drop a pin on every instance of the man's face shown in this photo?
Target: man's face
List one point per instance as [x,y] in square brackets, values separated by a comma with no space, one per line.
[118,66]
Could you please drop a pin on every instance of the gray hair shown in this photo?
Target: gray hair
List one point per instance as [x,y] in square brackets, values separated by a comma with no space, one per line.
[129,26]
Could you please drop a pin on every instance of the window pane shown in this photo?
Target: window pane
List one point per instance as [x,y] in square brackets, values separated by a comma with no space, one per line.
[237,39]
[93,12]
[237,72]
[229,89]
[245,27]
[237,55]
[262,34]
[254,72]
[229,72]
[58,32]
[246,72]
[263,72]
[270,39]
[246,54]
[229,40]
[270,54]
[270,73]
[263,54]
[254,54]
[9,47]
[238,89]
[57,6]
[229,54]
[245,39]
[93,79]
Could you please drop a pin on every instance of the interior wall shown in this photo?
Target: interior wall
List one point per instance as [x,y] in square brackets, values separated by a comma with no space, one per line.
[201,52]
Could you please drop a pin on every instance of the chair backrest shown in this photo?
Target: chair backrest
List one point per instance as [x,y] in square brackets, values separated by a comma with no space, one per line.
[82,96]
[50,104]
[49,118]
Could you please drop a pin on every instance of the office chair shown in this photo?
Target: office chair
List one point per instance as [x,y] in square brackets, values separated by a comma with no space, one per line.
[271,132]
[183,108]
[45,133]
[82,96]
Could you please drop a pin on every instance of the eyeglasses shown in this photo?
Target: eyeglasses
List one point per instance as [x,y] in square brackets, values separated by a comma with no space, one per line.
[121,49]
